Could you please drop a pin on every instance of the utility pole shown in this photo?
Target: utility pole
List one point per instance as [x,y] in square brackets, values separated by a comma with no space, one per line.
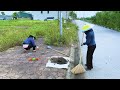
[60,23]
[58,18]
[66,15]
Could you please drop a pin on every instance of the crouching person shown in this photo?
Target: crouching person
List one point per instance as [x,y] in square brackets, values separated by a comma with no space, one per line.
[29,43]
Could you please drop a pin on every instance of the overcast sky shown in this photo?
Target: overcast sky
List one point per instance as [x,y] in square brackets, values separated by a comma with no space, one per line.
[85,13]
[79,13]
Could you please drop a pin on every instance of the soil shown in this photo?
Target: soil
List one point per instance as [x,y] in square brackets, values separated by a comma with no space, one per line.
[14,59]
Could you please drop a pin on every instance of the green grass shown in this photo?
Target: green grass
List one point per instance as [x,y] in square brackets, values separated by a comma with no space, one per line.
[13,32]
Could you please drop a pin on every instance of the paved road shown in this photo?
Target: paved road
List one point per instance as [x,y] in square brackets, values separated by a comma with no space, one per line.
[106,59]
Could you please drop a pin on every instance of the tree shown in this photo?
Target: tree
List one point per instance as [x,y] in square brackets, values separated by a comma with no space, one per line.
[15,15]
[3,13]
[73,15]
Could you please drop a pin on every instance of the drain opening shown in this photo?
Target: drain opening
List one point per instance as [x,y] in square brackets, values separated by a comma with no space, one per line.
[58,60]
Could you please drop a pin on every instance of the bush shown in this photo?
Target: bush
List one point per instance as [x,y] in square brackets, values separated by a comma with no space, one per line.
[73,15]
[110,19]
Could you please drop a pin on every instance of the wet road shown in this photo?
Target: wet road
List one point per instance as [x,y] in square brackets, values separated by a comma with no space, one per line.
[106,59]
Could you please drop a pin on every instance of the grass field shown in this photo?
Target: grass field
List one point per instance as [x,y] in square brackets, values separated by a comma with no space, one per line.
[13,32]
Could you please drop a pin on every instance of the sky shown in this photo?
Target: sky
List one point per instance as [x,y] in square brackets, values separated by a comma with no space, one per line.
[86,13]
[79,13]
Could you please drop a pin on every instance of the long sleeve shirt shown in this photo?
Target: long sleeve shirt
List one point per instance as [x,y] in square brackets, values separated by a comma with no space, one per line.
[30,41]
[90,38]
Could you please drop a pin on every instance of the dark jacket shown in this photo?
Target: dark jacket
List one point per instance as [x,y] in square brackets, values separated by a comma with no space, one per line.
[30,41]
[90,38]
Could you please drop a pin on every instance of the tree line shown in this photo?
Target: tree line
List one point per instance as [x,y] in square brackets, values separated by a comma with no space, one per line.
[110,19]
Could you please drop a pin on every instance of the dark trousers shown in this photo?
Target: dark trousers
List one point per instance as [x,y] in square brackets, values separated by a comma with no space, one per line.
[90,52]
[30,46]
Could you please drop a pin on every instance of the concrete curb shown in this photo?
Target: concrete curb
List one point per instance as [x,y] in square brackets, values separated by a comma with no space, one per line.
[74,58]
[69,75]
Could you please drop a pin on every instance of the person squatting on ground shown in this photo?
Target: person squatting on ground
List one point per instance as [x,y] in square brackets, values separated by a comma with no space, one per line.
[29,43]
[90,42]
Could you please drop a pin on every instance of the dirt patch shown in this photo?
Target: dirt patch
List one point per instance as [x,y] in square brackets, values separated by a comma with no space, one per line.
[24,27]
[16,64]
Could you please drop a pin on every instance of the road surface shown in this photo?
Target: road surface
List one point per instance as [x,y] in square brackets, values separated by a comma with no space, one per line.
[106,59]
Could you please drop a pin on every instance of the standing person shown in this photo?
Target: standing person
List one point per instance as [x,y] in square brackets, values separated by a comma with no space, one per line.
[90,42]
[29,43]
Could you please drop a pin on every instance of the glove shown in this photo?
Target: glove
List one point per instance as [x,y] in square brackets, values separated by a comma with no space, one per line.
[34,50]
[82,44]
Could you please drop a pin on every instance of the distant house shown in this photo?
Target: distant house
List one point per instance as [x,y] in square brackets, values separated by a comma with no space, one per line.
[25,15]
[5,17]
[51,15]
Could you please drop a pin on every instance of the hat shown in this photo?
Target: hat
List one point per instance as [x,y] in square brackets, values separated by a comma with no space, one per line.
[32,36]
[86,27]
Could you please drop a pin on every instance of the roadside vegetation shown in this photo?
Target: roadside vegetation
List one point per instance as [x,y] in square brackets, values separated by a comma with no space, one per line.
[13,32]
[109,19]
